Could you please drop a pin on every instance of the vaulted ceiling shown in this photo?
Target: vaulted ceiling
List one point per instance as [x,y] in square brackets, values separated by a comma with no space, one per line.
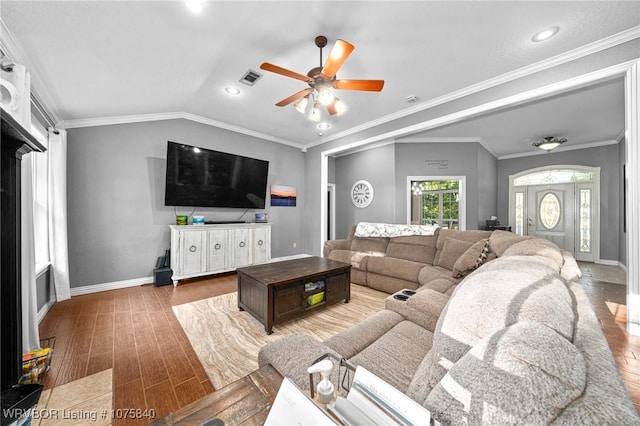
[95,62]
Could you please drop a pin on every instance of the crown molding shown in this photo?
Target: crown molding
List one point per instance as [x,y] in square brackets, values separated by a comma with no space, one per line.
[140,118]
[13,49]
[561,149]
[554,61]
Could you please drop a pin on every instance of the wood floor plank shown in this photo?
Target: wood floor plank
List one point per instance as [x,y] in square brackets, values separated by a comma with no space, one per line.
[162,397]
[178,366]
[126,367]
[189,391]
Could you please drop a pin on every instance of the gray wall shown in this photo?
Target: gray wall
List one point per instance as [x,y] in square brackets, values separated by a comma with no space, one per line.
[486,185]
[605,157]
[388,167]
[376,166]
[416,159]
[116,214]
[44,290]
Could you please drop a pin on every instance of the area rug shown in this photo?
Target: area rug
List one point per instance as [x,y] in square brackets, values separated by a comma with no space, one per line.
[227,341]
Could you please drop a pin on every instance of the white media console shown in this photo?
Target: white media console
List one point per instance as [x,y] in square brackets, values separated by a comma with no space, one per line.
[198,250]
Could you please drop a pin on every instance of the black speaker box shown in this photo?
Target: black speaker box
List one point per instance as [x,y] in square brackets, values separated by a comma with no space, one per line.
[162,276]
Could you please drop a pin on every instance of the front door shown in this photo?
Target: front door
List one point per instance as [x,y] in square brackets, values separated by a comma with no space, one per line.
[551,214]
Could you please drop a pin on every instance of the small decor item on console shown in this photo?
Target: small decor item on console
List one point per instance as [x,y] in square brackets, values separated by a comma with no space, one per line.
[198,220]
[261,217]
[182,219]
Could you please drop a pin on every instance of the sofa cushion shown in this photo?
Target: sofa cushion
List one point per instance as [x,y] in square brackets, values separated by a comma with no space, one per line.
[388,284]
[370,245]
[472,258]
[536,247]
[499,241]
[417,248]
[356,338]
[428,274]
[452,249]
[525,374]
[357,260]
[534,263]
[499,294]
[393,267]
[396,355]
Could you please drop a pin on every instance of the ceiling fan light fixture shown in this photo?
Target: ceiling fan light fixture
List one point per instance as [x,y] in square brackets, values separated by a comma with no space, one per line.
[325,96]
[301,105]
[314,115]
[549,143]
[340,107]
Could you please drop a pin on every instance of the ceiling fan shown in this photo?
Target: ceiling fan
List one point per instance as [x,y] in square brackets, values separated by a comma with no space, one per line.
[321,79]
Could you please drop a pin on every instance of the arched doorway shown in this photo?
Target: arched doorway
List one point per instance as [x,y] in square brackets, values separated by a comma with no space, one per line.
[561,204]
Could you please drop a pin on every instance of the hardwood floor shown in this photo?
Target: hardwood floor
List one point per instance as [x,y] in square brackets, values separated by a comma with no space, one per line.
[134,332]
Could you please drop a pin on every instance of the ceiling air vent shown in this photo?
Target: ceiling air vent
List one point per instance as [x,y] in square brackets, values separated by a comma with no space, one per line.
[250,78]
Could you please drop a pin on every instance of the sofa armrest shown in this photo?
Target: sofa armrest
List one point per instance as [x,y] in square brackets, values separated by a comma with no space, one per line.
[291,355]
[423,308]
[331,245]
[570,270]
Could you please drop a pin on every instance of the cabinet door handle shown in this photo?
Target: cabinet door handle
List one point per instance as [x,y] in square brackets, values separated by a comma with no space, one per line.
[260,242]
[217,246]
[242,244]
[193,249]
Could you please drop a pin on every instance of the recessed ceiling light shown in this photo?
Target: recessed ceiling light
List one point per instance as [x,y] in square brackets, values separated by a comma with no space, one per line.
[194,5]
[232,90]
[323,126]
[545,34]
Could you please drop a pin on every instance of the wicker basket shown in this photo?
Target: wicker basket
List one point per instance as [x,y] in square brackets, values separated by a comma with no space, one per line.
[36,363]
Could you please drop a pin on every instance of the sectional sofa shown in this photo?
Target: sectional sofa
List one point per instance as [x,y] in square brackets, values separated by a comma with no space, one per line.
[437,258]
[516,342]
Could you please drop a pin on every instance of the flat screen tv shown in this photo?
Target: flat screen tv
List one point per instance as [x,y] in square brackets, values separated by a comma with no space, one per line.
[202,177]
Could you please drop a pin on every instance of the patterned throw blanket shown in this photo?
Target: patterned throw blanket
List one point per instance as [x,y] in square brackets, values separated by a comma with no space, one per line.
[365,229]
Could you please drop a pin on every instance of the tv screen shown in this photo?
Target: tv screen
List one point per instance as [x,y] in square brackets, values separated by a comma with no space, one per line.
[202,177]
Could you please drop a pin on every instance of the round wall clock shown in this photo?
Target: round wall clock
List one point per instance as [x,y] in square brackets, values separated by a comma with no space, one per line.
[361,193]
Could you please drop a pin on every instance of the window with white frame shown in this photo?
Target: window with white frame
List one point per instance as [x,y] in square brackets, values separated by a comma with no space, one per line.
[435,202]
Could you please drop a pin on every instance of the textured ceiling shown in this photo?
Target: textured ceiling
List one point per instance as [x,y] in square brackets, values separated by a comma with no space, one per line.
[100,59]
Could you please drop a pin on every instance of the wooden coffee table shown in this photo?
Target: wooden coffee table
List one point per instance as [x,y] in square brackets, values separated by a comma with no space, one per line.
[280,291]
[245,401]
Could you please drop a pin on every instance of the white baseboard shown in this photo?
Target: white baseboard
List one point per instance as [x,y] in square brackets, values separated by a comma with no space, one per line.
[611,263]
[43,311]
[88,289]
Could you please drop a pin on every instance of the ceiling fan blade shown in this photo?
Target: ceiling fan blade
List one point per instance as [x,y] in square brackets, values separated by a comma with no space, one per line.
[283,71]
[294,97]
[339,53]
[365,85]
